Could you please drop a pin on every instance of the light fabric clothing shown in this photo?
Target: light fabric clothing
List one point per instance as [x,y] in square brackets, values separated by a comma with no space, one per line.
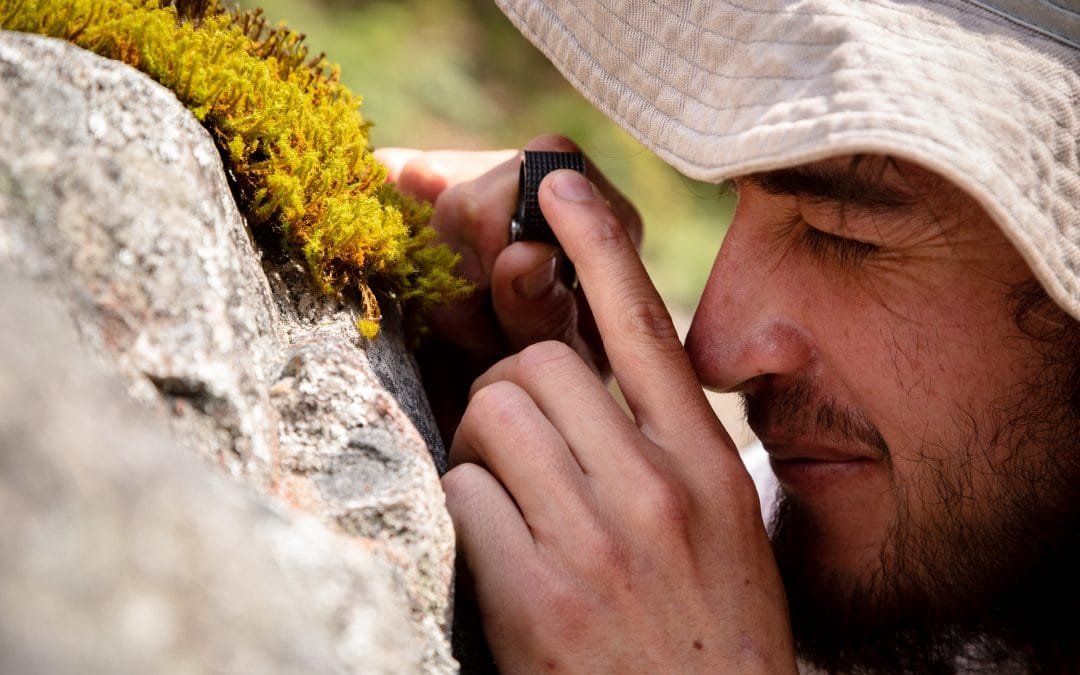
[757,463]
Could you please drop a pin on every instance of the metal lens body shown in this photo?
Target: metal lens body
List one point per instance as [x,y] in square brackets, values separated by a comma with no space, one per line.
[528,223]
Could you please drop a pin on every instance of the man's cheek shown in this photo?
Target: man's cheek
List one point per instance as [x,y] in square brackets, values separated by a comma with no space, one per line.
[906,385]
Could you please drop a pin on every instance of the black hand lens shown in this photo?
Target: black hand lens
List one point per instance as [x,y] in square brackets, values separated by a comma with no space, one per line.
[528,223]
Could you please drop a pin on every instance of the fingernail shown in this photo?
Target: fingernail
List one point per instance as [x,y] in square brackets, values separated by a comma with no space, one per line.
[572,186]
[537,282]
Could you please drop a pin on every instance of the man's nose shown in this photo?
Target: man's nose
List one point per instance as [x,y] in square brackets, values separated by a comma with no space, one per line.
[749,322]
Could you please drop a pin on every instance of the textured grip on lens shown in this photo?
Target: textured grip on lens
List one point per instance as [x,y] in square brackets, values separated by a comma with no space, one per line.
[529,223]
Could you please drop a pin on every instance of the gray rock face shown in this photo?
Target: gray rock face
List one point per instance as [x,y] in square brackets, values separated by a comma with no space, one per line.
[115,209]
[123,554]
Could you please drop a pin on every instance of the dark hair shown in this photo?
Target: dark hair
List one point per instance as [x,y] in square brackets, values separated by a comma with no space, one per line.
[1039,318]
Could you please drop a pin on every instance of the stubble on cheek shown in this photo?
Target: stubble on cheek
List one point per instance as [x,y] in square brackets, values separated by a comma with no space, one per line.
[981,552]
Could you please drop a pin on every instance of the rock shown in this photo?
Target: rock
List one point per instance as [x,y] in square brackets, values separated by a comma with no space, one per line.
[114,207]
[122,554]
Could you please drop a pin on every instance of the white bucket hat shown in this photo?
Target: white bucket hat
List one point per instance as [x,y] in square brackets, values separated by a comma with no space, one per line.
[984,92]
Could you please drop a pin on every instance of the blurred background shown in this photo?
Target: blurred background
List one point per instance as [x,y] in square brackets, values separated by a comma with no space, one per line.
[456,74]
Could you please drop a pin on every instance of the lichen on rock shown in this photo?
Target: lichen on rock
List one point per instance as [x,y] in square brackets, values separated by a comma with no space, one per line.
[291,133]
[115,210]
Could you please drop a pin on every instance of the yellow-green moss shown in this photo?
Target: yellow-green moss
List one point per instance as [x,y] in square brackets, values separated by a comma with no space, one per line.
[291,133]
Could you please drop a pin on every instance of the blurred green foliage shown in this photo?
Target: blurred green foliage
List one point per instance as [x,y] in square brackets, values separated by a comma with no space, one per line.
[440,74]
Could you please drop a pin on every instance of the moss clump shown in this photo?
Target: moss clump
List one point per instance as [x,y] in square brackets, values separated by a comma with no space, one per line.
[292,135]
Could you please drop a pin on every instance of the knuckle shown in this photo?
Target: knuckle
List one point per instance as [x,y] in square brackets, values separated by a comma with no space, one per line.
[561,609]
[450,203]
[460,204]
[418,166]
[542,358]
[495,405]
[470,203]
[624,210]
[600,548]
[662,505]
[558,595]
[421,175]
[644,317]
[607,553]
[462,482]
[445,205]
[606,231]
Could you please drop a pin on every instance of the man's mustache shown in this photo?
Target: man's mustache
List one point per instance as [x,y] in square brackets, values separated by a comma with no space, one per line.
[799,409]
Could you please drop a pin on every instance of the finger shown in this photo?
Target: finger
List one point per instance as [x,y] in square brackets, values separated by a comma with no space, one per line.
[394,159]
[476,217]
[530,298]
[642,346]
[427,174]
[625,211]
[505,432]
[576,403]
[491,534]
[473,219]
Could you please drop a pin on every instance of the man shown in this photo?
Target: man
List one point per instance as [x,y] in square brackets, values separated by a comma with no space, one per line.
[896,299]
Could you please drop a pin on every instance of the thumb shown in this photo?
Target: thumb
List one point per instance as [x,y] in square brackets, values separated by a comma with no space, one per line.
[531,300]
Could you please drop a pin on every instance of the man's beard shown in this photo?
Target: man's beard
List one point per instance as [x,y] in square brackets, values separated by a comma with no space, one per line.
[990,585]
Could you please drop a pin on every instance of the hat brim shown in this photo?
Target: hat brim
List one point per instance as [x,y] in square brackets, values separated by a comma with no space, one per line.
[722,89]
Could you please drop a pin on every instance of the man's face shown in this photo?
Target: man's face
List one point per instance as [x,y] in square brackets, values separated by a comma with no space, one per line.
[925,446]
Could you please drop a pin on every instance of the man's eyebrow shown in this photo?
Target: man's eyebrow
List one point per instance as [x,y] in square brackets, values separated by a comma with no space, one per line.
[841,184]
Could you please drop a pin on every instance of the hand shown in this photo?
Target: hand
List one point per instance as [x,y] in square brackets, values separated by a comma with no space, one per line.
[519,299]
[601,543]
